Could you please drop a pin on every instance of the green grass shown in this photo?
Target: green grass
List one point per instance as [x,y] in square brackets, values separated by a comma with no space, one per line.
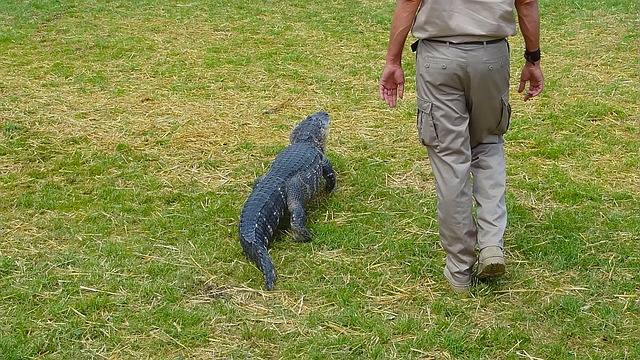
[131,132]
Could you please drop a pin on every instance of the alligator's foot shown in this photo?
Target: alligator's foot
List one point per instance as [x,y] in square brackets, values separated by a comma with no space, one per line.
[328,188]
[301,234]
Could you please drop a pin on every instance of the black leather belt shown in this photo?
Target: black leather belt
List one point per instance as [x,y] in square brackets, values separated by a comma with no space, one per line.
[488,42]
[414,46]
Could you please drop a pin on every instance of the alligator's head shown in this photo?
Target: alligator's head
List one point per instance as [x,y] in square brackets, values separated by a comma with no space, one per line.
[314,129]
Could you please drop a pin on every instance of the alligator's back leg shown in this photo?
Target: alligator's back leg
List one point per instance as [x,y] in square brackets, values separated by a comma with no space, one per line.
[329,175]
[295,203]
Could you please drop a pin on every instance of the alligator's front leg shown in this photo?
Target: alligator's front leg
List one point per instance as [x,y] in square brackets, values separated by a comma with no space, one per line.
[329,175]
[295,203]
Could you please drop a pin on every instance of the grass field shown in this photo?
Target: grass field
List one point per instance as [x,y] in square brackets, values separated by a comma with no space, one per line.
[131,133]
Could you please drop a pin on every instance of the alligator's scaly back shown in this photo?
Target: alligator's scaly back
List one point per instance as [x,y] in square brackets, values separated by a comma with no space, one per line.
[293,178]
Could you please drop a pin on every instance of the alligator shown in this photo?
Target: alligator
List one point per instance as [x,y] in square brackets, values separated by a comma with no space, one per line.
[293,178]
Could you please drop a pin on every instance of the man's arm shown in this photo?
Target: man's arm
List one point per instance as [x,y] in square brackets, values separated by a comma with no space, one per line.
[392,79]
[529,22]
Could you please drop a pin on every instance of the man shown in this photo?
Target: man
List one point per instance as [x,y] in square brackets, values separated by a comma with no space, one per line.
[462,86]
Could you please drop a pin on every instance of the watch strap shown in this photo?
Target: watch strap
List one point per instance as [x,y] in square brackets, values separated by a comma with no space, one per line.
[532,56]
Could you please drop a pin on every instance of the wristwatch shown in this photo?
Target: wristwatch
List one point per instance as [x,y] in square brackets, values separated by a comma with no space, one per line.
[532,56]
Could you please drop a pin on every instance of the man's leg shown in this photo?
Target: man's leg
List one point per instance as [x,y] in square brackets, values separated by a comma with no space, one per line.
[456,226]
[489,179]
[490,113]
[443,122]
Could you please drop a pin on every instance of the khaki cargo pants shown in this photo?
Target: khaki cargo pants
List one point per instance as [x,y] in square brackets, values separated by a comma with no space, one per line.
[463,111]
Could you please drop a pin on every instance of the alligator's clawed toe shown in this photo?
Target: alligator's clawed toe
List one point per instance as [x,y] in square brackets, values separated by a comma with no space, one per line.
[301,235]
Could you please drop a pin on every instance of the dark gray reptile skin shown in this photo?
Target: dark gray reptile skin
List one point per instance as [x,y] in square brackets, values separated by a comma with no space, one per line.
[292,180]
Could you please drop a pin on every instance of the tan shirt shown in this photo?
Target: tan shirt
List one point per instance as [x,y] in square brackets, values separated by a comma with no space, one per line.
[465,20]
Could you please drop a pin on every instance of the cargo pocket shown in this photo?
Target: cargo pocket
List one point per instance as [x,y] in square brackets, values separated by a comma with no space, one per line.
[425,124]
[505,116]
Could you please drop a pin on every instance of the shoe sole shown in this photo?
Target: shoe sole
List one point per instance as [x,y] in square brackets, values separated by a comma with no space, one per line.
[491,268]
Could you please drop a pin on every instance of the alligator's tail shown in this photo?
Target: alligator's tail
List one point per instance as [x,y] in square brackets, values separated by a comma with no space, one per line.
[257,253]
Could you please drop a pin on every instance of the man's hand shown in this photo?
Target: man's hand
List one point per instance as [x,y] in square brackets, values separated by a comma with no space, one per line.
[392,84]
[533,74]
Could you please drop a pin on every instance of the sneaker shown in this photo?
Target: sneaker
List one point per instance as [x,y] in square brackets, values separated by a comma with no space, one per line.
[490,263]
[458,288]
